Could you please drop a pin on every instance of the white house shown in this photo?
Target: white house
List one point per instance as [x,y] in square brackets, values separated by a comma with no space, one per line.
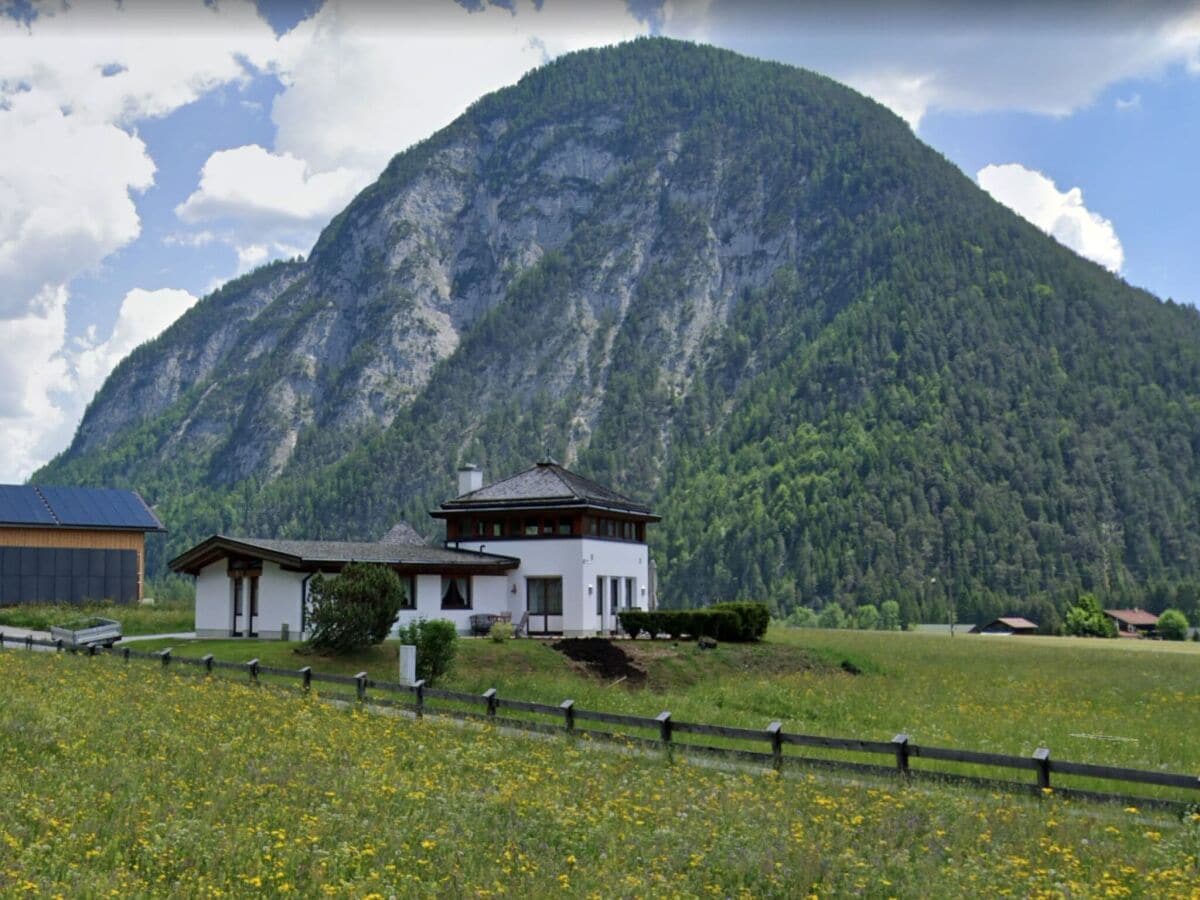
[546,542]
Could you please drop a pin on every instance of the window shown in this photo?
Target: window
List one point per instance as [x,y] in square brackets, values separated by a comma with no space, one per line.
[630,592]
[410,593]
[544,596]
[456,593]
[591,525]
[531,526]
[599,593]
[614,589]
[497,529]
[564,526]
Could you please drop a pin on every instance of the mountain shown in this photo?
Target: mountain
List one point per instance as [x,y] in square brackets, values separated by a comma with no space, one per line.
[739,289]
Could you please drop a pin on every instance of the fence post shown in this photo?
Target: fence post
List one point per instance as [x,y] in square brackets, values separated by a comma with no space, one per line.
[306,675]
[125,653]
[91,649]
[29,642]
[664,731]
[1042,756]
[490,696]
[252,667]
[900,742]
[775,731]
[165,656]
[58,644]
[568,708]
[360,685]
[419,684]
[1,640]
[207,659]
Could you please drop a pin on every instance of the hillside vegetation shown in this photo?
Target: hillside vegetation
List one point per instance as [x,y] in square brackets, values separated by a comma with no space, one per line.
[840,371]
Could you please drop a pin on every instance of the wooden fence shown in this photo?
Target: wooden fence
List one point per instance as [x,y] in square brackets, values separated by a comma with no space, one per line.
[672,736]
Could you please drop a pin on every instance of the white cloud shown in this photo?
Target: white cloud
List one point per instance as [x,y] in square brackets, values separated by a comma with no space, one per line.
[364,81]
[255,186]
[144,315]
[46,382]
[73,85]
[1124,104]
[1061,214]
[928,54]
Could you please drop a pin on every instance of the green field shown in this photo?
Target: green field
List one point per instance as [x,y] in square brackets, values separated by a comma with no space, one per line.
[1129,703]
[124,781]
[163,617]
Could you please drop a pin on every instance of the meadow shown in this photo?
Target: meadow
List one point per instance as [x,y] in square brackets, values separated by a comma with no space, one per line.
[164,616]
[1126,703]
[121,780]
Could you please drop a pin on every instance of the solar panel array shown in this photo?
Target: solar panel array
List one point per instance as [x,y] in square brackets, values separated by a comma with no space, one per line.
[74,507]
[21,505]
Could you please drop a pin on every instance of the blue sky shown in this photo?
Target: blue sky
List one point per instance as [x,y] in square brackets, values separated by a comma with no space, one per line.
[149,151]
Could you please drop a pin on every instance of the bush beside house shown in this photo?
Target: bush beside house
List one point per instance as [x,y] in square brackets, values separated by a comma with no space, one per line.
[730,622]
[355,610]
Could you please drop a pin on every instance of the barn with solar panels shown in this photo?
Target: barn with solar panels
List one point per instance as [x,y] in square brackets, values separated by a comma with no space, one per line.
[72,544]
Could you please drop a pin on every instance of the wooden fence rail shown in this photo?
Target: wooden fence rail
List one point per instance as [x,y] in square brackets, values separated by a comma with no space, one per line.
[567,718]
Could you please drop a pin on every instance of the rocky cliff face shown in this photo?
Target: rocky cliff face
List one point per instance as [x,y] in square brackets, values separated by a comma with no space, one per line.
[678,270]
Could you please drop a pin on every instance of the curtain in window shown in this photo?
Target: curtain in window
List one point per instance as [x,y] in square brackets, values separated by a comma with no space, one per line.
[456,593]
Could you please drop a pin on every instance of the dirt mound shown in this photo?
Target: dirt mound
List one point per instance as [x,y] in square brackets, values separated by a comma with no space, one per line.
[601,658]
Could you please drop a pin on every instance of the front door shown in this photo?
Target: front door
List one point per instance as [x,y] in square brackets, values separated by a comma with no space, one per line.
[543,600]
[235,622]
[252,608]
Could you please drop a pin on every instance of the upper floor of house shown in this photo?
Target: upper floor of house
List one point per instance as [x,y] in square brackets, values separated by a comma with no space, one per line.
[543,502]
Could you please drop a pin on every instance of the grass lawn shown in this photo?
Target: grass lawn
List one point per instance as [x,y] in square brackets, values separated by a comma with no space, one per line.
[1130,703]
[125,781]
[163,617]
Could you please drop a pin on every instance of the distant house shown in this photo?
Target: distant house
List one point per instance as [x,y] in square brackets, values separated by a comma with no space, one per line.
[72,544]
[1006,625]
[1133,622]
[547,545]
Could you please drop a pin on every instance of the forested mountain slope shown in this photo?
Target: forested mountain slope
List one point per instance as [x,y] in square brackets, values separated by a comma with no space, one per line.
[738,289]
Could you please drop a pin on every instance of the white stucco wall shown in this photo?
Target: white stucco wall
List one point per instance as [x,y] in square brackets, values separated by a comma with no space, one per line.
[578,561]
[278,601]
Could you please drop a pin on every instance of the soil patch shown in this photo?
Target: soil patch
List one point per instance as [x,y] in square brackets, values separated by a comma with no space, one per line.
[602,658]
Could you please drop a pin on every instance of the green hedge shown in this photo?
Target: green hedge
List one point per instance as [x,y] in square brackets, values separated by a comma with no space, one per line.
[731,622]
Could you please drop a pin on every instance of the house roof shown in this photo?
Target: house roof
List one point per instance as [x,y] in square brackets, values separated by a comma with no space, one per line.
[1133,617]
[334,554]
[546,484]
[31,506]
[403,533]
[1014,623]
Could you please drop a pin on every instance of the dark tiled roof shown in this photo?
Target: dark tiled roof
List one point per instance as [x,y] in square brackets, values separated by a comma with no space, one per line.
[338,552]
[75,507]
[546,482]
[403,533]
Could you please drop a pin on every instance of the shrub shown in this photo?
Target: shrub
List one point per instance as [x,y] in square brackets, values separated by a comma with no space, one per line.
[436,641]
[889,615]
[832,616]
[1087,619]
[355,609]
[801,617]
[1173,625]
[866,617]
[753,618]
[731,622]
[501,631]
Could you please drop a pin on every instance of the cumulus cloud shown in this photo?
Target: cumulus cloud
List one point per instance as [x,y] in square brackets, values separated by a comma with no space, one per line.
[47,380]
[363,81]
[917,55]
[1061,214]
[74,83]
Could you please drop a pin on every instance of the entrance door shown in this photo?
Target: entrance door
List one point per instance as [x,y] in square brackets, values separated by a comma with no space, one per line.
[234,625]
[252,608]
[543,599]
